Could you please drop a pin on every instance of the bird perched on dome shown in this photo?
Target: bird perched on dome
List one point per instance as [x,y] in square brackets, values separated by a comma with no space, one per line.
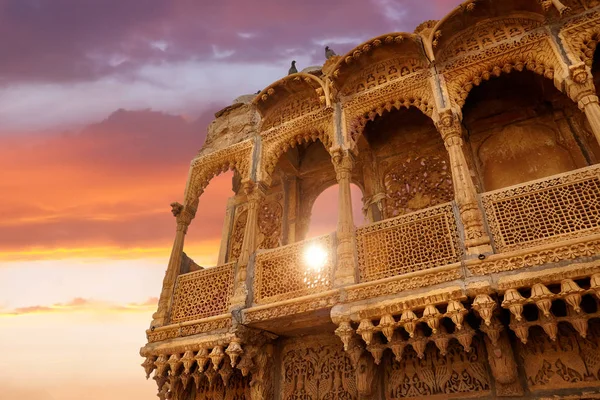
[293,69]
[329,53]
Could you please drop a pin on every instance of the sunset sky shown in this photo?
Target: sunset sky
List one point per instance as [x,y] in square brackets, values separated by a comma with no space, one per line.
[103,103]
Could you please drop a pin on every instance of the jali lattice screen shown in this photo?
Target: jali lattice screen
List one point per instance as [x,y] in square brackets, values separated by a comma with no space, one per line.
[203,293]
[546,210]
[408,243]
[283,273]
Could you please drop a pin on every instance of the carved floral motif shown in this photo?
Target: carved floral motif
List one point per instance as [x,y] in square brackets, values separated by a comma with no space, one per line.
[453,373]
[270,220]
[236,239]
[317,369]
[570,360]
[416,183]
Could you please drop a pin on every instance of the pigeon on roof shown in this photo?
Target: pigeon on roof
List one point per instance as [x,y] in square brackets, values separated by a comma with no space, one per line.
[293,69]
[329,53]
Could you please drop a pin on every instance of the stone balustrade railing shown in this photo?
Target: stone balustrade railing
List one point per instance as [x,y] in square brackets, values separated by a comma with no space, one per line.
[295,270]
[537,213]
[202,294]
[408,243]
[546,210]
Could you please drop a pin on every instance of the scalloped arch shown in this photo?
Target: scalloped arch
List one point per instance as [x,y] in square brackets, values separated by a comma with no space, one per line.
[378,61]
[290,98]
[470,13]
[236,158]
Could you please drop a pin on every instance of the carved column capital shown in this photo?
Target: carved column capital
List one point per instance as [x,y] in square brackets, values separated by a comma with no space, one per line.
[343,163]
[449,126]
[183,215]
[579,85]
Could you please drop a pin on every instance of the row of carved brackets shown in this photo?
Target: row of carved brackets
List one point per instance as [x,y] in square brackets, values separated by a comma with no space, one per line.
[412,319]
[174,369]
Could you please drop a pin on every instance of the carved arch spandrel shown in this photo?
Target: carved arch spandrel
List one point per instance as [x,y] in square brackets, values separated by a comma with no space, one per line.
[580,36]
[472,12]
[533,51]
[237,158]
[414,90]
[378,61]
[290,98]
[317,125]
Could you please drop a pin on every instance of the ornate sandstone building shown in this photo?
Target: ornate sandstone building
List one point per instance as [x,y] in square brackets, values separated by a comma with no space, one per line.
[475,142]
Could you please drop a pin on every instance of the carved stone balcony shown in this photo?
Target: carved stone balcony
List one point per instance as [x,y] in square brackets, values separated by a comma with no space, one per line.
[200,303]
[539,222]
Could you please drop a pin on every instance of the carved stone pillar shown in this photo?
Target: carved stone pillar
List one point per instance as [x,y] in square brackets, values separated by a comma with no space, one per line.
[581,90]
[503,366]
[477,240]
[343,163]
[261,385]
[226,231]
[255,193]
[184,216]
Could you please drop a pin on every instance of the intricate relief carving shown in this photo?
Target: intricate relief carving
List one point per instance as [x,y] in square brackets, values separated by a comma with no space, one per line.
[533,52]
[203,293]
[203,169]
[549,210]
[270,214]
[236,388]
[580,36]
[401,284]
[523,259]
[318,369]
[381,73]
[174,331]
[302,306]
[417,182]
[310,127]
[412,90]
[413,242]
[569,361]
[486,35]
[236,238]
[290,109]
[453,374]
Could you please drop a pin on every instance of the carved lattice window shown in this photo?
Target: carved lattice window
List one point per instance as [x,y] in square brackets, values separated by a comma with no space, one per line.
[203,293]
[409,243]
[283,273]
[545,210]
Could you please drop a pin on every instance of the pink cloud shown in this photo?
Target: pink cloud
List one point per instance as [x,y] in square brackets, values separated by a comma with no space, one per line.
[83,305]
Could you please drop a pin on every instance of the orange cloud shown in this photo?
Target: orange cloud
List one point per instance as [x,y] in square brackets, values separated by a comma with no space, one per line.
[79,304]
[107,188]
